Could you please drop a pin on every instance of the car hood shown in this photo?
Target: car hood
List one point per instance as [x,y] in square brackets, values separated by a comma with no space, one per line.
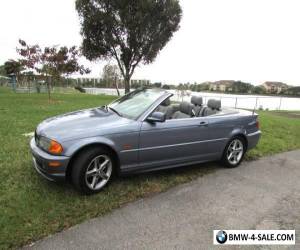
[80,124]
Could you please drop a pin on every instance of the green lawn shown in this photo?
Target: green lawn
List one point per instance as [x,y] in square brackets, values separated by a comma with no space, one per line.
[31,207]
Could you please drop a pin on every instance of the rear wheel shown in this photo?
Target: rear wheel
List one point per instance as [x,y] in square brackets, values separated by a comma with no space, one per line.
[234,152]
[93,170]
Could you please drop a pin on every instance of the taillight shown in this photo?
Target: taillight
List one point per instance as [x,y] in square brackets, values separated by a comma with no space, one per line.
[257,124]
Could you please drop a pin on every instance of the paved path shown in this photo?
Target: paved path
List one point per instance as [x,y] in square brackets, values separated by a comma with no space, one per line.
[263,194]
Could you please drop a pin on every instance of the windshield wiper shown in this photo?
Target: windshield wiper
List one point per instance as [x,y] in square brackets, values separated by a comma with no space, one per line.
[114,111]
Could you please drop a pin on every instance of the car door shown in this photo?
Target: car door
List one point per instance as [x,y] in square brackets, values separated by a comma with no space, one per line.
[175,141]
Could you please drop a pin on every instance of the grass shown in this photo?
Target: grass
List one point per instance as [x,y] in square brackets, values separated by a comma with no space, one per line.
[281,132]
[31,207]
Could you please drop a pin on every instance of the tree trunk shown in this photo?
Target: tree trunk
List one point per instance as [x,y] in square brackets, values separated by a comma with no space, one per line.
[117,87]
[127,83]
[48,87]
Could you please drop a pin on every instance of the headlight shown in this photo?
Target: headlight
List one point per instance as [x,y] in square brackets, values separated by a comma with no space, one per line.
[49,145]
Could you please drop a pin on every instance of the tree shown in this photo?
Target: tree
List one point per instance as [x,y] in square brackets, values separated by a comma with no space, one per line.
[130,31]
[30,58]
[241,87]
[295,91]
[157,85]
[60,61]
[111,76]
[52,62]
[2,70]
[30,54]
[13,67]
[259,90]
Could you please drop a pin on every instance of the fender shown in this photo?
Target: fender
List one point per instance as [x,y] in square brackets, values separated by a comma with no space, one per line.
[241,132]
[237,131]
[74,146]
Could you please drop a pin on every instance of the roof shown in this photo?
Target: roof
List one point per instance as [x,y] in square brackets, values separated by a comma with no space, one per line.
[224,82]
[276,84]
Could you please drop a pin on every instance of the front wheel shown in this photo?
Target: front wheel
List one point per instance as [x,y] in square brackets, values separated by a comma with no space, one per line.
[234,152]
[92,170]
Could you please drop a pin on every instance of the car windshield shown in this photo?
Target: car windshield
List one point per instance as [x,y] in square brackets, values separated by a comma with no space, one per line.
[136,103]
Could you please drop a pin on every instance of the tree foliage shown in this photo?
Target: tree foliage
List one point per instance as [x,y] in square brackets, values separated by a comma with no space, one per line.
[259,90]
[241,87]
[55,61]
[13,67]
[61,61]
[110,73]
[51,61]
[2,70]
[295,91]
[131,31]
[30,55]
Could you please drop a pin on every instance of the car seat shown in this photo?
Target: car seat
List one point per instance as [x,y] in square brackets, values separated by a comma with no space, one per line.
[197,101]
[185,111]
[213,107]
[166,108]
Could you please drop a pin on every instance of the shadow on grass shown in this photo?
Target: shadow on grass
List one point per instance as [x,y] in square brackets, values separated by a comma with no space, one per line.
[53,207]
[155,181]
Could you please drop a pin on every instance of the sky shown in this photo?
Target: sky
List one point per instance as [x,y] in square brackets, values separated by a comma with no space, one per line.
[249,40]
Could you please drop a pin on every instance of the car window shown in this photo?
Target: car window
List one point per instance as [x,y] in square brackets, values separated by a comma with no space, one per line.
[136,103]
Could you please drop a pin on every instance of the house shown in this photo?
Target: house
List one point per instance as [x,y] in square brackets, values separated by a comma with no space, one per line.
[275,87]
[223,85]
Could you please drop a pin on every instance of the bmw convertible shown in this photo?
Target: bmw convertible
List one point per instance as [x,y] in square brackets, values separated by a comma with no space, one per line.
[141,131]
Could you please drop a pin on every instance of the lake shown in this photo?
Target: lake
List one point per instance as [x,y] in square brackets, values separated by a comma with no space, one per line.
[228,100]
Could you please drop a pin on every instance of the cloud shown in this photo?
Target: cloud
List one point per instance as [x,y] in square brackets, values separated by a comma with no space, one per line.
[249,40]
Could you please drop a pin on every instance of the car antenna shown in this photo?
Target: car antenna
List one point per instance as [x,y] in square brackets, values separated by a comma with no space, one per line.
[254,106]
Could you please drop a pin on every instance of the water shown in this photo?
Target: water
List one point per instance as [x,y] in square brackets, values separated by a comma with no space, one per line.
[228,100]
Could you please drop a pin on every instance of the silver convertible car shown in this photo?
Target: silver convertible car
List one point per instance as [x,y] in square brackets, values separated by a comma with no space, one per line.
[141,131]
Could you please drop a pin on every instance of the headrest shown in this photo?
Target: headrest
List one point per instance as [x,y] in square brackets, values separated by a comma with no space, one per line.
[197,100]
[186,108]
[166,102]
[214,104]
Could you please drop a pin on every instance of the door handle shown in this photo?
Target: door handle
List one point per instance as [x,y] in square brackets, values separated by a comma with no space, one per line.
[203,124]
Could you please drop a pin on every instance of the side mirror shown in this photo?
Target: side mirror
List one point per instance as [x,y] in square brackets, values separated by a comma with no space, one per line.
[157,117]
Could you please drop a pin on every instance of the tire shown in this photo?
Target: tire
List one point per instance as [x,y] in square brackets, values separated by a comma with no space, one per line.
[93,170]
[234,152]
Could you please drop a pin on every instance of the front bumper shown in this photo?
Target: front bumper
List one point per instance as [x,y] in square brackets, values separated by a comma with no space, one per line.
[253,139]
[41,161]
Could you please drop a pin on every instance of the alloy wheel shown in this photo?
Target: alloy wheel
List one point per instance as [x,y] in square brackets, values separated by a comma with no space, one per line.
[98,172]
[235,151]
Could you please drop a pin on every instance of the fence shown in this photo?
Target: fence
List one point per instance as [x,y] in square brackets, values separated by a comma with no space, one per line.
[31,90]
[247,101]
[44,89]
[233,101]
[104,91]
